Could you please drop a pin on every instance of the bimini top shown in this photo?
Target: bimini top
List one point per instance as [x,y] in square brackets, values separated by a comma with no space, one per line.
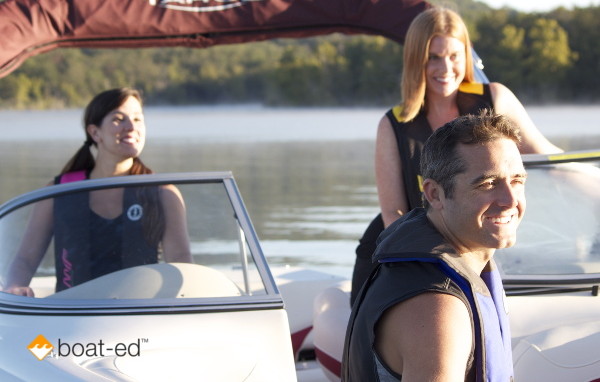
[30,27]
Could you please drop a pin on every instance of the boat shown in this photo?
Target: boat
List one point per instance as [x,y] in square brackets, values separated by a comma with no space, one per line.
[35,27]
[219,318]
[230,316]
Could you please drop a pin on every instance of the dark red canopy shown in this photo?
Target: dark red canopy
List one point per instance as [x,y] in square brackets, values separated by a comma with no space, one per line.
[29,27]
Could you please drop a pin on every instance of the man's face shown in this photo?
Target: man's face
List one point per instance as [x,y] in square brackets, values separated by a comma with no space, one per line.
[489,197]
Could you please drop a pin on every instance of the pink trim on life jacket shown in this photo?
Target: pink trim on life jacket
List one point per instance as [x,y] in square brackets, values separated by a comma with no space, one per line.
[73,176]
[67,280]
[67,276]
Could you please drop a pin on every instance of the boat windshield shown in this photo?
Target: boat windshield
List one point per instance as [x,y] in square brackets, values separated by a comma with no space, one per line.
[560,232]
[184,236]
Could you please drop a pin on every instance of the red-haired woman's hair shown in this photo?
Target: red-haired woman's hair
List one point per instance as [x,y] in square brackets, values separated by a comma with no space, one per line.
[433,22]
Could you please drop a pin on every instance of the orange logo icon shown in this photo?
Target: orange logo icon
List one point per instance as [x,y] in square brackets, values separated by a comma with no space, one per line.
[40,347]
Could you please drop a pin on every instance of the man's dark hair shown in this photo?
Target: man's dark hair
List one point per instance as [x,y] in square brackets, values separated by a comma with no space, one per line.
[440,160]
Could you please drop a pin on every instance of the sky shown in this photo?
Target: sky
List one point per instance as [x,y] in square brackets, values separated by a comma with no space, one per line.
[539,5]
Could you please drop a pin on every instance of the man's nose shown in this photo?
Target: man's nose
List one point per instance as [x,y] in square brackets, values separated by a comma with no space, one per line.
[509,195]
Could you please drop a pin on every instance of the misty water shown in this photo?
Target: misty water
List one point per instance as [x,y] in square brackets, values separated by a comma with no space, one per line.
[306,175]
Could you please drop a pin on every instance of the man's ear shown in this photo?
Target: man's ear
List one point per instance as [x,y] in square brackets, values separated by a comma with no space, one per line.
[433,193]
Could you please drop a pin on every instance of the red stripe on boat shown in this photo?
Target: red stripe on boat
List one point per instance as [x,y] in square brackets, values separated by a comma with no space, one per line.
[330,363]
[298,338]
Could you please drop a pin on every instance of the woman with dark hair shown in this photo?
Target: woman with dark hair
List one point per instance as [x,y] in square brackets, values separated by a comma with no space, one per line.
[438,85]
[102,231]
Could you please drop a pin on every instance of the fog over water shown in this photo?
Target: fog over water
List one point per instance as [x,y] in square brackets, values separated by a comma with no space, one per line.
[255,123]
[306,175]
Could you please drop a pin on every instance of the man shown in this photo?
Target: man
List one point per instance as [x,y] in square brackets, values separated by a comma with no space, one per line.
[434,308]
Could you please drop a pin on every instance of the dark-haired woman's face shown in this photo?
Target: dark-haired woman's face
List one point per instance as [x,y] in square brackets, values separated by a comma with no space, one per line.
[446,65]
[122,133]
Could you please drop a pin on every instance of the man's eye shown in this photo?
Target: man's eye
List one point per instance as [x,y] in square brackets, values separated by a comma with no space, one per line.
[487,185]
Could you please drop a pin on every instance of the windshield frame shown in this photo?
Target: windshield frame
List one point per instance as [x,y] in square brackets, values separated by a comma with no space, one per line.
[270,300]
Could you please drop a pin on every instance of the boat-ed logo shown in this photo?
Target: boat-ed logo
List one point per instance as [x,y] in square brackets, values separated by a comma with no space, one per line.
[41,348]
[199,5]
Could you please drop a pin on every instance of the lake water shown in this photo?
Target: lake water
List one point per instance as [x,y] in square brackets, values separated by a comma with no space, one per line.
[306,175]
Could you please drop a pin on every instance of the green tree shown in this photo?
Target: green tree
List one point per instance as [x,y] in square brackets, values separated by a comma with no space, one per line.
[554,55]
[528,53]
[511,50]
[501,47]
[549,56]
[582,80]
[295,79]
[374,68]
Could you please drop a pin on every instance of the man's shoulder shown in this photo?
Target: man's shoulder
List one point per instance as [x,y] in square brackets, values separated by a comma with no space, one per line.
[399,281]
[434,307]
[413,275]
[427,332]
[412,233]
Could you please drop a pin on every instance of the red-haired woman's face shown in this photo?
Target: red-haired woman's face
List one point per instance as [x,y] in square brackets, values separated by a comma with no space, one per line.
[122,133]
[445,68]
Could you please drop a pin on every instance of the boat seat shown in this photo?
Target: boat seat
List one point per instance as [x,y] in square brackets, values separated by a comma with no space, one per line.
[163,280]
[331,315]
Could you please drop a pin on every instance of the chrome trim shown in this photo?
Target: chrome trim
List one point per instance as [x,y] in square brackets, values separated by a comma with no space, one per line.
[10,304]
[118,181]
[575,280]
[251,236]
[569,156]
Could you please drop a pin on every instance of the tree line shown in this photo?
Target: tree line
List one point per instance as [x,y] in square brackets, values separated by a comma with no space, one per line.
[542,57]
